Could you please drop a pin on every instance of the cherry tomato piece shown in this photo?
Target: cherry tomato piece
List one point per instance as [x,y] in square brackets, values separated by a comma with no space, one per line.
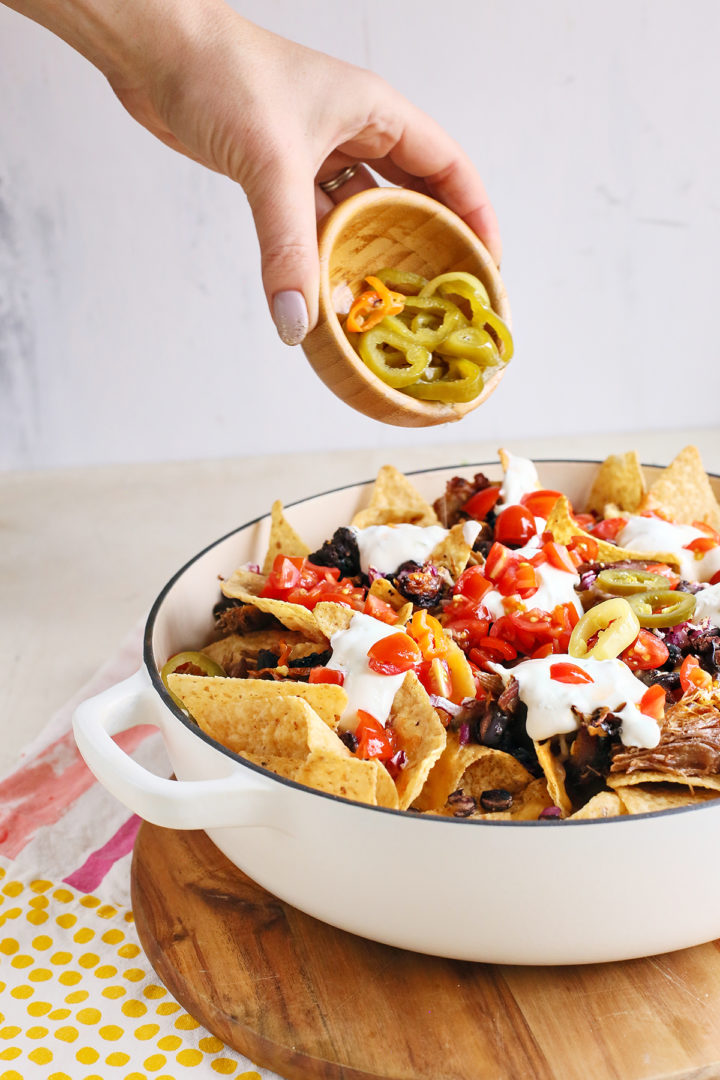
[609,529]
[374,741]
[645,653]
[515,526]
[394,654]
[692,676]
[652,703]
[481,503]
[541,502]
[569,673]
[326,675]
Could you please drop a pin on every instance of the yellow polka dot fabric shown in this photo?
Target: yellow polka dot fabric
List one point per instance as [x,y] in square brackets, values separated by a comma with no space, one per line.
[79,1001]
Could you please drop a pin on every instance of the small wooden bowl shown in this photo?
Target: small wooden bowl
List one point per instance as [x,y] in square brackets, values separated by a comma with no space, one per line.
[405,230]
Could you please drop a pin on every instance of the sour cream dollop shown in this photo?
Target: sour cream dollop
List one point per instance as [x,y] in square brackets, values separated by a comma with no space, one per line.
[365,689]
[550,703]
[650,534]
[520,479]
[385,547]
[707,605]
[554,586]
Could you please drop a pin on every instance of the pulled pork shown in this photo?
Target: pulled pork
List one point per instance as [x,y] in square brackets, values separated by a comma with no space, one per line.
[457,492]
[689,745]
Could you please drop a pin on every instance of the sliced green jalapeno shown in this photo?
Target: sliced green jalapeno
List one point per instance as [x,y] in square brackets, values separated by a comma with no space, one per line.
[402,280]
[188,663]
[627,582]
[460,283]
[402,363]
[662,607]
[473,344]
[462,381]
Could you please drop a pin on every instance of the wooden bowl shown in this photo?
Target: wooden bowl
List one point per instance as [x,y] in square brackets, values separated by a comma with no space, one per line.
[407,231]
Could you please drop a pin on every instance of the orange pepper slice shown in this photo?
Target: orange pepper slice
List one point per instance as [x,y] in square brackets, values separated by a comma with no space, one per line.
[372,306]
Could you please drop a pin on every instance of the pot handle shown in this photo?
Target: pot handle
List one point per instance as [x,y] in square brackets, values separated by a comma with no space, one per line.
[240,798]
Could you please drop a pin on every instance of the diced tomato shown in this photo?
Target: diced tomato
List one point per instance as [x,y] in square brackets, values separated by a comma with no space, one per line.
[708,529]
[435,676]
[326,675]
[700,545]
[286,573]
[481,503]
[586,522]
[541,502]
[715,579]
[473,584]
[380,609]
[301,582]
[504,649]
[394,654]
[646,652]
[609,529]
[582,549]
[336,592]
[692,676]
[520,578]
[542,652]
[498,559]
[666,571]
[374,741]
[515,526]
[569,673]
[652,703]
[558,556]
[465,619]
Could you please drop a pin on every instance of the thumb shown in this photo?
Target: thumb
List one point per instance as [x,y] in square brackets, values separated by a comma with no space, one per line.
[283,207]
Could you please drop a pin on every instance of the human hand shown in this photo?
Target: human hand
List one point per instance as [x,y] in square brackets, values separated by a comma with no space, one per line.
[274,116]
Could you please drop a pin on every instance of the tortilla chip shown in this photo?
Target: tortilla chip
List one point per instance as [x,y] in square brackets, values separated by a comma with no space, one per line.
[555,775]
[394,500]
[472,768]
[246,581]
[294,616]
[444,777]
[683,491]
[385,590]
[283,539]
[349,777]
[603,805]
[619,480]
[232,649]
[620,781]
[453,551]
[421,736]
[527,805]
[330,617]
[260,700]
[562,526]
[647,800]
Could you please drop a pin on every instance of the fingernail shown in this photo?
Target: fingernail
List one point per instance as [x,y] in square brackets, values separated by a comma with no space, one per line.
[291,316]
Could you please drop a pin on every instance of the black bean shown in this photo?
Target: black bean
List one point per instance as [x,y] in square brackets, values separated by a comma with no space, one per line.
[496,799]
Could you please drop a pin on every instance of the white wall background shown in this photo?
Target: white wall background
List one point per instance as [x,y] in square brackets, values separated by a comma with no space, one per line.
[132,321]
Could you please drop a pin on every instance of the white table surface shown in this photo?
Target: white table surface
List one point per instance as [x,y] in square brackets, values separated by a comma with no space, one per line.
[83,552]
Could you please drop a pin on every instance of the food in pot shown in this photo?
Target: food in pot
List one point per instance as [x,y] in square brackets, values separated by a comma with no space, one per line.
[499,655]
[436,340]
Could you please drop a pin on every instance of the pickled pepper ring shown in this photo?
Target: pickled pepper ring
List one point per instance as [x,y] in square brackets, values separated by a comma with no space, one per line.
[339,179]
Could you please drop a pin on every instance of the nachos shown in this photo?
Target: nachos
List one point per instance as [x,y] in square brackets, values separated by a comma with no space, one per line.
[498,655]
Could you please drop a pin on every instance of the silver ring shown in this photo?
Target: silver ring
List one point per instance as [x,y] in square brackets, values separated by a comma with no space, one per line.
[339,179]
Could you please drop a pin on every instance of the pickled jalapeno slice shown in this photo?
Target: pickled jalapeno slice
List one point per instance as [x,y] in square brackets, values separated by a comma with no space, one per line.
[662,607]
[627,582]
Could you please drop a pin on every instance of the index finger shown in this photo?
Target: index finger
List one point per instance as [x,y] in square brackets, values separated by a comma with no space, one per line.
[423,150]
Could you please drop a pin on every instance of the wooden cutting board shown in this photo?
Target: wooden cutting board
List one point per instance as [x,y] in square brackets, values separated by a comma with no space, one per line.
[314,1003]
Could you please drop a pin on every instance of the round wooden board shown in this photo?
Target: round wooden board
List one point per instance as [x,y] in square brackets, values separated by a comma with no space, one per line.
[315,1003]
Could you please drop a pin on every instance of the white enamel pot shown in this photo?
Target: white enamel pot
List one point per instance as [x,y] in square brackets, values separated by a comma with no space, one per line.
[503,892]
